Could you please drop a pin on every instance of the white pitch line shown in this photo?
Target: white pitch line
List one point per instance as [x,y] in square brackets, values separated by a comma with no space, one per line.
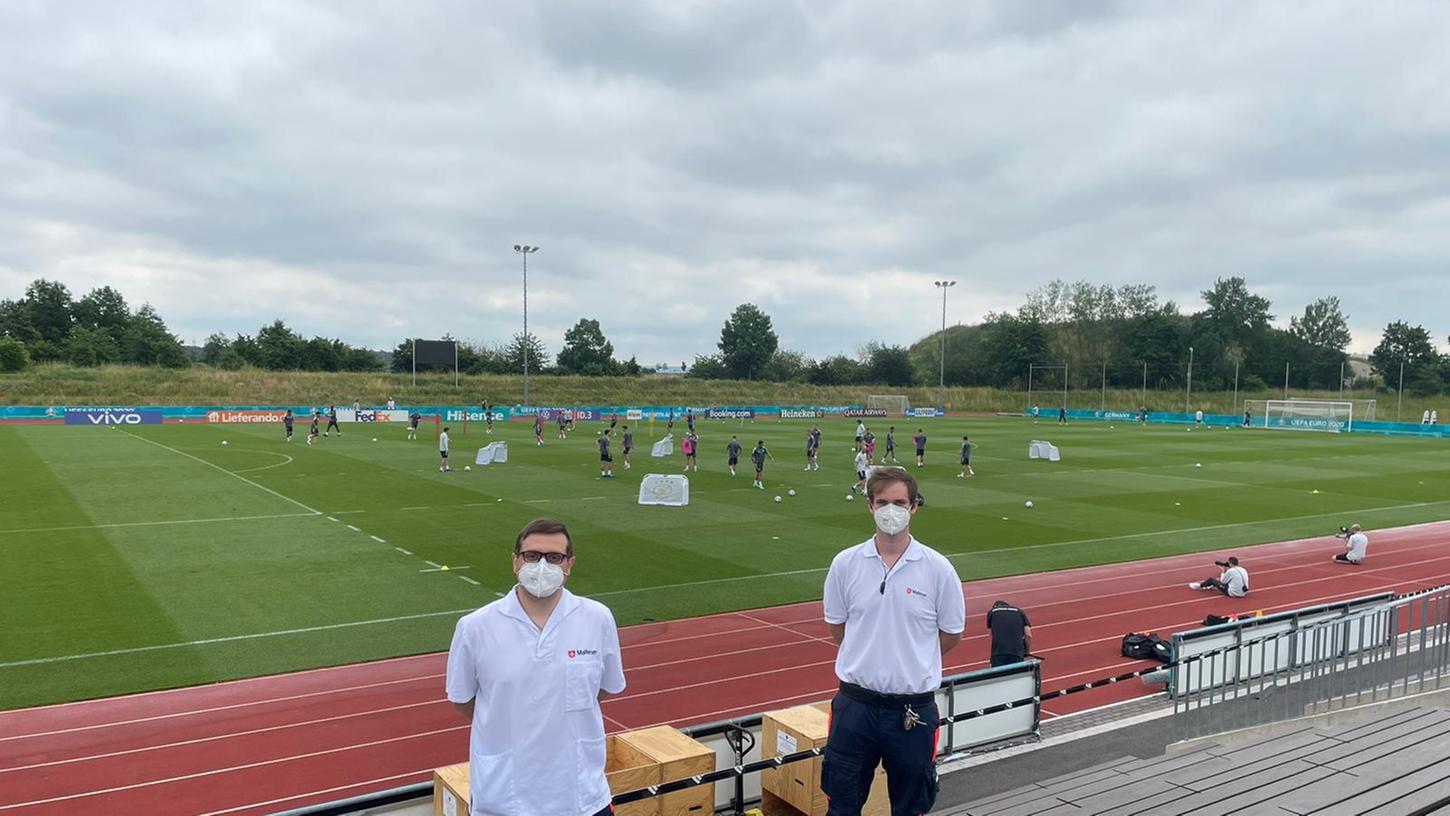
[424,507]
[1074,543]
[433,564]
[469,580]
[403,551]
[593,498]
[354,529]
[331,518]
[538,501]
[446,568]
[313,510]
[379,540]
[221,519]
[265,467]
[229,639]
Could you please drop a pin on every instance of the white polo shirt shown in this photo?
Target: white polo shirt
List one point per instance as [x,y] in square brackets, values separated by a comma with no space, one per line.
[537,743]
[891,643]
[443,442]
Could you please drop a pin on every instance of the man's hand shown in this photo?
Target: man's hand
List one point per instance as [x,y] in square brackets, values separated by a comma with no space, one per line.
[948,641]
[838,632]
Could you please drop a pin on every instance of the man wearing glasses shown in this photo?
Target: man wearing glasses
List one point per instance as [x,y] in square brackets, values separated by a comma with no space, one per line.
[894,607]
[528,671]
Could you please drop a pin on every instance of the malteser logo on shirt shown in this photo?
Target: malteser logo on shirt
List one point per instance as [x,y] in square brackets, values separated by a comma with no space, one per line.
[573,653]
[916,592]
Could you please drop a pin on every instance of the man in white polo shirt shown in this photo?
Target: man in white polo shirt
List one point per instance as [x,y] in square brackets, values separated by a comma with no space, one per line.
[1356,545]
[894,606]
[1233,582]
[529,670]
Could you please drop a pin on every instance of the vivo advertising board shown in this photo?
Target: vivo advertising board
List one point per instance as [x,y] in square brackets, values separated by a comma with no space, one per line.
[112,416]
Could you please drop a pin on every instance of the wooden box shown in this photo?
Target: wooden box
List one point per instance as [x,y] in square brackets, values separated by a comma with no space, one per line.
[450,790]
[678,757]
[627,768]
[795,788]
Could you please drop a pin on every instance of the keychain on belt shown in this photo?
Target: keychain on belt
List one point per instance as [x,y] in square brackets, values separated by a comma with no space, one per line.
[910,719]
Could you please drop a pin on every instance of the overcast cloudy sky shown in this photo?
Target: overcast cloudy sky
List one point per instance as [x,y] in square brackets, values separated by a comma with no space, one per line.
[362,169]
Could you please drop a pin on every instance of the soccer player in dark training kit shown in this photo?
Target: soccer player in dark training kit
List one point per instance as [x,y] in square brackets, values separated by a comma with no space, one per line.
[413,419]
[487,418]
[966,459]
[732,454]
[606,462]
[920,441]
[539,430]
[890,446]
[312,433]
[758,456]
[287,420]
[332,421]
[628,444]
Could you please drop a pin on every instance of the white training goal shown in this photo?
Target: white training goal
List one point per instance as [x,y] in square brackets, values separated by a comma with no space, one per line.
[1302,415]
[894,404]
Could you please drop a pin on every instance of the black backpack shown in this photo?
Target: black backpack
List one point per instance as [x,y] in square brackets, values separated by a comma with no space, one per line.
[1144,646]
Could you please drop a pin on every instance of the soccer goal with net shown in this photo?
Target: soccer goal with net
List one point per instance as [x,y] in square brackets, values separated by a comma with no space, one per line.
[894,404]
[1333,416]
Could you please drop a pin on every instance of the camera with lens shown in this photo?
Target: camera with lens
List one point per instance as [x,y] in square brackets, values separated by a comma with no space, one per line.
[1343,533]
[1223,564]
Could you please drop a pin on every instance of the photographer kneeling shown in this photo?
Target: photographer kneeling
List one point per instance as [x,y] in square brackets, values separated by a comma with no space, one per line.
[1355,546]
[1234,582]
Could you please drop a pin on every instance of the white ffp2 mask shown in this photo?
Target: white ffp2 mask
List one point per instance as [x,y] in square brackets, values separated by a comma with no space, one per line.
[541,579]
[891,519]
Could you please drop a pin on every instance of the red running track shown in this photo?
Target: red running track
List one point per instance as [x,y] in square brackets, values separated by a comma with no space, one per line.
[273,743]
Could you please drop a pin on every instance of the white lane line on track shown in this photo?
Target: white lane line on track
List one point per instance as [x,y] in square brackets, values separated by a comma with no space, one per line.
[230,769]
[313,510]
[250,732]
[425,773]
[123,524]
[230,639]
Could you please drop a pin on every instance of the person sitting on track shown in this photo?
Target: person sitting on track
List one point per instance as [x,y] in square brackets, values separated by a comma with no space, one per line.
[1355,547]
[1234,582]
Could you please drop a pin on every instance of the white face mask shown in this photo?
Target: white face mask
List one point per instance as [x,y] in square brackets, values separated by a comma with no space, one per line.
[891,519]
[541,579]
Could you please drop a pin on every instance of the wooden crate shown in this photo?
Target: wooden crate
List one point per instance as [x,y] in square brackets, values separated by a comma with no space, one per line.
[632,761]
[627,768]
[679,757]
[450,790]
[795,788]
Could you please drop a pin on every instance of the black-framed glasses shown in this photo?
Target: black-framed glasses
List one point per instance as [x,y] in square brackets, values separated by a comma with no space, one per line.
[533,556]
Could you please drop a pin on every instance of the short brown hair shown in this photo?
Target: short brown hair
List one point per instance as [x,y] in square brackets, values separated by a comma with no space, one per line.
[883,476]
[547,526]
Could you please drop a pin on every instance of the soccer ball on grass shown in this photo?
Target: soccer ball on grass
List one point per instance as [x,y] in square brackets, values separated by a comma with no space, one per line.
[1028,504]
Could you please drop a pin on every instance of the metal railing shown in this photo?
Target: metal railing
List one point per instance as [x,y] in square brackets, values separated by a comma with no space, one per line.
[1372,654]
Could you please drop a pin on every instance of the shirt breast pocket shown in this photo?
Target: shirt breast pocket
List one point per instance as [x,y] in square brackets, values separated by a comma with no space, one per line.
[581,684]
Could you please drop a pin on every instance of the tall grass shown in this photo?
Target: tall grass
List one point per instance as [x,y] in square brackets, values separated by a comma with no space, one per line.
[201,385]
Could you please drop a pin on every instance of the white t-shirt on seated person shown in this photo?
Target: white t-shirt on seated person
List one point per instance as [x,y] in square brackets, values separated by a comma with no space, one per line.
[1237,580]
[1358,545]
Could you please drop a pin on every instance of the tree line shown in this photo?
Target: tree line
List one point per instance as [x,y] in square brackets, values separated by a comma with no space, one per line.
[1124,336]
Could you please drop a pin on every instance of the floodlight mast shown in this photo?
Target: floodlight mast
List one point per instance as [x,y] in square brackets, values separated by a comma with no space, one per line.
[942,381]
[525,250]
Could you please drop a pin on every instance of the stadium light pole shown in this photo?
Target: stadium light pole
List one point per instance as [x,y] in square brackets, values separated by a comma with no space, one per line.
[526,250]
[942,381]
[1188,393]
[1400,394]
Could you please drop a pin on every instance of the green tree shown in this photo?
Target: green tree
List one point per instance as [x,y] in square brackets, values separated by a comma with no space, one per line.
[147,341]
[90,346]
[708,367]
[1403,343]
[1235,312]
[514,354]
[887,365]
[49,305]
[1014,344]
[1323,325]
[787,366]
[13,356]
[747,341]
[214,349]
[586,350]
[837,370]
[279,347]
[104,309]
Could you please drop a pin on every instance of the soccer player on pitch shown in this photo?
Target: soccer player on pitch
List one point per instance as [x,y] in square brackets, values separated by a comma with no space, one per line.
[890,446]
[966,459]
[443,451]
[332,421]
[606,462]
[538,429]
[920,441]
[863,467]
[287,420]
[628,445]
[732,454]
[758,456]
[312,433]
[814,456]
[413,419]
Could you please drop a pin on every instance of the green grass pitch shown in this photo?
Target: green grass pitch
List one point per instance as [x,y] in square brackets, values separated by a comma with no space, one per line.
[155,556]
